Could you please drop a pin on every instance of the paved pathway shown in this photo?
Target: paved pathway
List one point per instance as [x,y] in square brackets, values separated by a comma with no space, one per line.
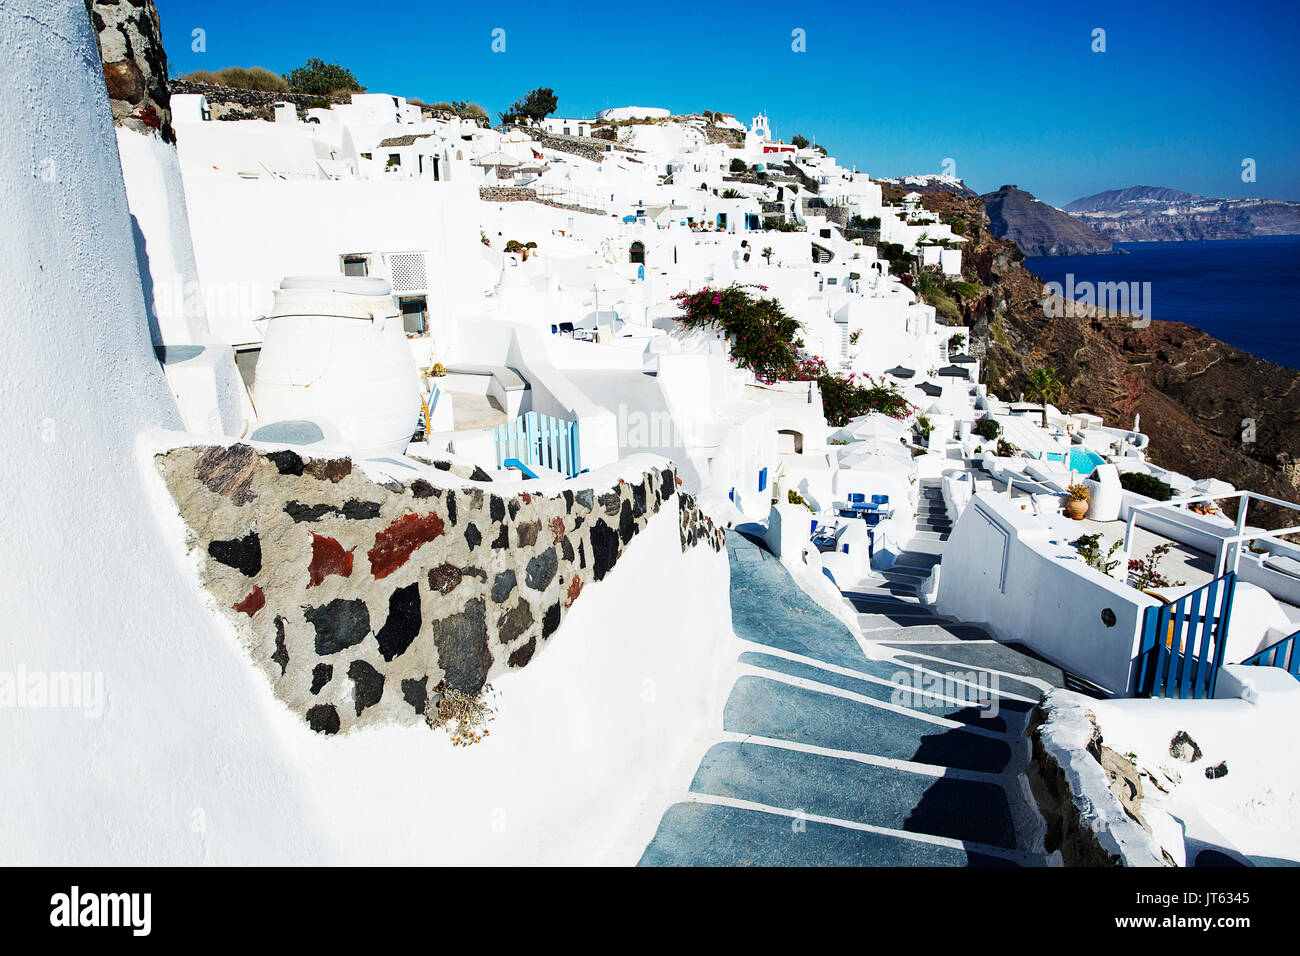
[902,746]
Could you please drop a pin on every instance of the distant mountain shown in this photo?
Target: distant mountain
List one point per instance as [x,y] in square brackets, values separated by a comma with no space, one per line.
[1039,229]
[1151,213]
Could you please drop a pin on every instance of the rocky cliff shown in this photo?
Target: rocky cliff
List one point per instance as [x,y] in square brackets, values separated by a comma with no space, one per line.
[1189,388]
[1039,229]
[1156,213]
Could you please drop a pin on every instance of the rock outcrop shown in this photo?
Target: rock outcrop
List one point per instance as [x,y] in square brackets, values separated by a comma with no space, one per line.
[1157,213]
[1039,229]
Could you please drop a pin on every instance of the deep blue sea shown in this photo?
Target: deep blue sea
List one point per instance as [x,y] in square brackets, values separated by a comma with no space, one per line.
[1243,291]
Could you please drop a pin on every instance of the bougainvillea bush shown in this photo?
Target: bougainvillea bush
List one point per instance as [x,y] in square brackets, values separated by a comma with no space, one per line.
[762,334]
[763,340]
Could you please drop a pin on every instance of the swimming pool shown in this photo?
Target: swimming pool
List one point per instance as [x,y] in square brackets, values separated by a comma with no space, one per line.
[1084,461]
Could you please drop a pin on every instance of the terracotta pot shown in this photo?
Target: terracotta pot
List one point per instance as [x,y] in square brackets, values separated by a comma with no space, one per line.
[1076,509]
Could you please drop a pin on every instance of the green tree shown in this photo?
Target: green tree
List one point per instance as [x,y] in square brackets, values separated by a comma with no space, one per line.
[322,79]
[1043,385]
[533,108]
[799,141]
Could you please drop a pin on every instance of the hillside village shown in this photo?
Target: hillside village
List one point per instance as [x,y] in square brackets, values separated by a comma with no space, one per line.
[646,454]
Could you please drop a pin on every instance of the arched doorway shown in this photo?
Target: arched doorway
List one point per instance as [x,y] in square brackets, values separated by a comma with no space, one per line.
[636,255]
[789,440]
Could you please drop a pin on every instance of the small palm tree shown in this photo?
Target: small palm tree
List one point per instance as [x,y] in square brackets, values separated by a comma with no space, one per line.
[1043,385]
[767,254]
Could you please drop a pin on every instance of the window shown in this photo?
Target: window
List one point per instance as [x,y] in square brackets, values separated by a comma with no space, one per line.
[762,479]
[414,314]
[394,159]
[356,265]
[367,155]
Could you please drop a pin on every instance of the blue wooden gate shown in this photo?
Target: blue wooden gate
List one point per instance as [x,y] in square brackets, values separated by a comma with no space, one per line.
[542,440]
[1183,643]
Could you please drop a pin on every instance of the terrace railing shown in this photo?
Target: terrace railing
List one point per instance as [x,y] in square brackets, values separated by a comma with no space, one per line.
[539,441]
[1183,643]
[1284,654]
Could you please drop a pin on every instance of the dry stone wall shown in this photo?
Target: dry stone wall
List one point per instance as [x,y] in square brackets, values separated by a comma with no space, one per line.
[360,600]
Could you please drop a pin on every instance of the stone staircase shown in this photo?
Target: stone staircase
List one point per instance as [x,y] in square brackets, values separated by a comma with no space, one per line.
[901,746]
[931,513]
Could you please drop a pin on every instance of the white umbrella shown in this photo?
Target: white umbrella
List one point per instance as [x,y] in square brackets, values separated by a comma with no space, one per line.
[1213,487]
[873,425]
[496,159]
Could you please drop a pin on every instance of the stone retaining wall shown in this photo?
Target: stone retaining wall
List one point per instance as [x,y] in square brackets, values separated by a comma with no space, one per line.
[526,194]
[359,600]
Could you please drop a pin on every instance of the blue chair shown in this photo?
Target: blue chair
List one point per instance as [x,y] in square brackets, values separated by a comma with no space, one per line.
[880,499]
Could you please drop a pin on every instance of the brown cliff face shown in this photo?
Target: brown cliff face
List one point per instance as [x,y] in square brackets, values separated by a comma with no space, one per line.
[1196,395]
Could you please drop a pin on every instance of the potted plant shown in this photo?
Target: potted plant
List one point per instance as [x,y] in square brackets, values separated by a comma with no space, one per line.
[1076,505]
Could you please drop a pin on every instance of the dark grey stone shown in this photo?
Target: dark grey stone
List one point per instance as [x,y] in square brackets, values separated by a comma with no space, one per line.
[566,549]
[300,512]
[356,510]
[551,620]
[502,586]
[515,622]
[422,489]
[1215,772]
[503,538]
[611,501]
[442,465]
[451,507]
[638,499]
[541,570]
[323,719]
[416,692]
[281,655]
[604,549]
[367,685]
[626,523]
[243,554]
[462,644]
[1183,747]
[496,509]
[403,623]
[321,675]
[286,462]
[524,654]
[472,536]
[340,624]
[478,474]
[586,497]
[513,507]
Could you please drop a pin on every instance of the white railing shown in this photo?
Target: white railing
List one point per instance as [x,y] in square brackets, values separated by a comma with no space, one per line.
[1231,542]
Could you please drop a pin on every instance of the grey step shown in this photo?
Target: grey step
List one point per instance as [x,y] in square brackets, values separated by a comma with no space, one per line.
[1004,657]
[825,786]
[703,834]
[899,692]
[920,632]
[771,708]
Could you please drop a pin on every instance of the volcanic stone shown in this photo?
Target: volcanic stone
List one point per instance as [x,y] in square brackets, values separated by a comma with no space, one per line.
[444,578]
[502,586]
[321,675]
[323,719]
[524,654]
[541,570]
[462,645]
[243,554]
[604,549]
[367,685]
[416,692]
[339,624]
[403,623]
[515,622]
[395,544]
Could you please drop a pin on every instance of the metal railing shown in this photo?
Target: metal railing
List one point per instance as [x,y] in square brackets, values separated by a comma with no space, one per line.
[1284,654]
[1232,542]
[1183,643]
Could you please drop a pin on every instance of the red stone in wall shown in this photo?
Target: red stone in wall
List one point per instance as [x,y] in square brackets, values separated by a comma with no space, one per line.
[575,588]
[255,601]
[396,543]
[327,557]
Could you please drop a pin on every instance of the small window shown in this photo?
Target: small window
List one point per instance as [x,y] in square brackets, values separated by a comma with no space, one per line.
[394,159]
[356,266]
[762,479]
[832,281]
[414,315]
[367,155]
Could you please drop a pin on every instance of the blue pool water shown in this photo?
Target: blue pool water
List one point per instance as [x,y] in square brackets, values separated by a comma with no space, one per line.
[1084,461]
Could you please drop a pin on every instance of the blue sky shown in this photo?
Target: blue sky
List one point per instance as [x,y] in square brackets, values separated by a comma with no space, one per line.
[1011,92]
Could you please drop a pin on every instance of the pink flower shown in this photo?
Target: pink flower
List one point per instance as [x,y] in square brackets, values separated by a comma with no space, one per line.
[717,299]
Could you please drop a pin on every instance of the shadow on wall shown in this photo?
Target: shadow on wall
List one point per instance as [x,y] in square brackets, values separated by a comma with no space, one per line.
[146,282]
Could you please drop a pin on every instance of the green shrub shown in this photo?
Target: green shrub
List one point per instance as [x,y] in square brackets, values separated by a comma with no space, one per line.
[797,499]
[738,166]
[323,79]
[605,132]
[1144,484]
[987,428]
